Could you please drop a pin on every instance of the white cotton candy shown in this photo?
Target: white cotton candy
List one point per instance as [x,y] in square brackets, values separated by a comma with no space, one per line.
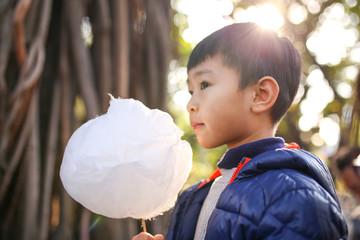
[129,162]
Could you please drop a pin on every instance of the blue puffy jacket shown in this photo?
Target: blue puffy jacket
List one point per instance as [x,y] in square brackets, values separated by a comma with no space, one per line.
[280,194]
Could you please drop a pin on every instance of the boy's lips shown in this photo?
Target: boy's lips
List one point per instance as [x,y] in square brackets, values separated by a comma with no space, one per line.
[195,124]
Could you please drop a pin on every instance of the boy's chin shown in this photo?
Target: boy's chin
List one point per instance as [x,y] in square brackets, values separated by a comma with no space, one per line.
[209,145]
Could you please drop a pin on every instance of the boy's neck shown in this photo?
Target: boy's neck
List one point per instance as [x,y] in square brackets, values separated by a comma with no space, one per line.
[258,134]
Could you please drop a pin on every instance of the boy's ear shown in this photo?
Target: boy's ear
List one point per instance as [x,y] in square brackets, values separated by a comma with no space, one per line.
[266,91]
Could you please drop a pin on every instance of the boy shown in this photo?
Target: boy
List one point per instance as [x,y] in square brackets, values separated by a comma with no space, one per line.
[242,80]
[349,170]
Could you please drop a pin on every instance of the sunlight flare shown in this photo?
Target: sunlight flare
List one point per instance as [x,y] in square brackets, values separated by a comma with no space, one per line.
[266,16]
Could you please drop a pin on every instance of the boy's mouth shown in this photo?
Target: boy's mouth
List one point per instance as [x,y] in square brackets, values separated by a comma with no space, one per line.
[196,125]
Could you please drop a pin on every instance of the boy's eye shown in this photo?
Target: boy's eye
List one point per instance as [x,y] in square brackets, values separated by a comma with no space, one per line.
[204,85]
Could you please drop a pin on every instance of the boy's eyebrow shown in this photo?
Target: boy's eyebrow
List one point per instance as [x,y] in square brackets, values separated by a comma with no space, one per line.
[201,72]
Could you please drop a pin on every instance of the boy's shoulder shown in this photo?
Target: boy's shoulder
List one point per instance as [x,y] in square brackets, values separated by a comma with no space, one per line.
[277,200]
[284,198]
[280,174]
[290,158]
[271,187]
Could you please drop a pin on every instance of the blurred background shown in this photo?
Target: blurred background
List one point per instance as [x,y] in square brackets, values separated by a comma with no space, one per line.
[60,59]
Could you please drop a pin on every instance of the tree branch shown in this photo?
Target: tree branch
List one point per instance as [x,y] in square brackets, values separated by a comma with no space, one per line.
[102,51]
[121,47]
[19,149]
[20,42]
[82,64]
[50,158]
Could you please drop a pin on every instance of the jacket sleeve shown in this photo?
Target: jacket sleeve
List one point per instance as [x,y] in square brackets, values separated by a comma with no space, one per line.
[302,214]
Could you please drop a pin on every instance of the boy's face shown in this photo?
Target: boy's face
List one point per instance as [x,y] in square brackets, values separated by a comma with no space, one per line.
[220,112]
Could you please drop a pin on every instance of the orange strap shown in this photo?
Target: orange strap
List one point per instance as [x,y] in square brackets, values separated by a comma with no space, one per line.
[292,145]
[215,174]
[239,167]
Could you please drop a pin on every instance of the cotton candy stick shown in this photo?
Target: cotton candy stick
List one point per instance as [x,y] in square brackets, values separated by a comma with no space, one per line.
[143,224]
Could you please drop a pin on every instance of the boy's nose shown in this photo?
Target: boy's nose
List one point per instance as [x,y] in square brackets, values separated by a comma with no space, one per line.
[192,106]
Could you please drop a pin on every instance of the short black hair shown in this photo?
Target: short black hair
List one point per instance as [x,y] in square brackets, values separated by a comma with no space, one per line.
[254,52]
[345,157]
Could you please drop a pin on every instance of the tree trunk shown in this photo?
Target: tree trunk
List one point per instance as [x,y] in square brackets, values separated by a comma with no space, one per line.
[52,80]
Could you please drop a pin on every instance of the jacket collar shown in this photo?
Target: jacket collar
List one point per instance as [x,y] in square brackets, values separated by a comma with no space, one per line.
[233,156]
